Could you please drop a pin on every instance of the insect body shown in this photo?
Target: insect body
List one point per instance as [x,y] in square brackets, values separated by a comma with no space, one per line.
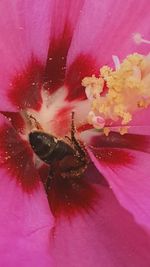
[67,159]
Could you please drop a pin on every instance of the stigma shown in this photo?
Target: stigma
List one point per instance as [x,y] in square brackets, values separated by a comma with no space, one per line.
[138,39]
[115,95]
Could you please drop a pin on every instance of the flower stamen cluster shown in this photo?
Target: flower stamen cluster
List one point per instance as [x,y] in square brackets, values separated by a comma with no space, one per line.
[117,94]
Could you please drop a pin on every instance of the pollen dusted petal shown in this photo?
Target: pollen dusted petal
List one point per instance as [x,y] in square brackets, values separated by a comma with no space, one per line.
[16,120]
[113,156]
[44,172]
[64,19]
[70,197]
[61,124]
[82,66]
[25,90]
[115,140]
[16,158]
[107,237]
[61,120]
[25,30]
[25,218]
[56,61]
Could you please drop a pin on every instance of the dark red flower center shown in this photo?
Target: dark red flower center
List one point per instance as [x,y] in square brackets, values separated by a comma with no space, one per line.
[68,196]
[73,194]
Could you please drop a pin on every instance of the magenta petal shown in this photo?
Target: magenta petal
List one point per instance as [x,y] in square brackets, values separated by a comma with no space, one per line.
[115,140]
[127,172]
[25,217]
[16,156]
[25,29]
[140,118]
[107,237]
[25,224]
[106,28]
[64,18]
[25,88]
[83,65]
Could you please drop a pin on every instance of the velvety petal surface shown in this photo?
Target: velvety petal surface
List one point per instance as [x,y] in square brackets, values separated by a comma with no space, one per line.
[25,30]
[141,118]
[127,172]
[107,236]
[65,15]
[25,226]
[26,220]
[43,36]
[107,29]
[101,33]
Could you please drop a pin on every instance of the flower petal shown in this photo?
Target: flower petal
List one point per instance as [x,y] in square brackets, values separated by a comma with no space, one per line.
[28,67]
[127,172]
[25,87]
[141,118]
[25,225]
[101,33]
[97,28]
[24,28]
[16,156]
[108,237]
[115,140]
[72,196]
[83,65]
[25,220]
[65,16]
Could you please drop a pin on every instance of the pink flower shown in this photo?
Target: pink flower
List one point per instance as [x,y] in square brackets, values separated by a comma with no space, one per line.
[102,218]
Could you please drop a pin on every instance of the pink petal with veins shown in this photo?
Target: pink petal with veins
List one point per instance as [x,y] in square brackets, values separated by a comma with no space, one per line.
[17,157]
[99,34]
[106,29]
[115,140]
[26,223]
[26,220]
[64,18]
[25,89]
[82,66]
[140,118]
[127,172]
[72,196]
[25,29]
[108,236]
[42,47]
[139,123]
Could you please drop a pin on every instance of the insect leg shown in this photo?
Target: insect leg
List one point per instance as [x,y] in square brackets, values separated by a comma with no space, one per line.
[36,123]
[47,183]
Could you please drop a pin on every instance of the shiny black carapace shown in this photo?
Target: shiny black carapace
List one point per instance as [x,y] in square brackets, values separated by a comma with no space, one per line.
[67,158]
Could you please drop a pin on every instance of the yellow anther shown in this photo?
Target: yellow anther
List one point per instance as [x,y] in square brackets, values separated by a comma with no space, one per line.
[105,72]
[106,131]
[94,86]
[127,91]
[143,103]
[123,130]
